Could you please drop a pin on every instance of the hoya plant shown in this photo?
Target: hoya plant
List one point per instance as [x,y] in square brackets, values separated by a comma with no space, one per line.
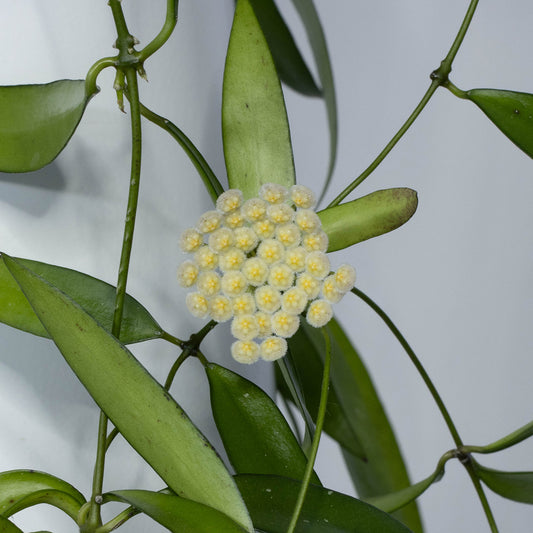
[259,263]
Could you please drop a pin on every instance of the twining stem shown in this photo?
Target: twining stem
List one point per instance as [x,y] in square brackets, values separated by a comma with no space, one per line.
[416,362]
[438,77]
[513,438]
[166,31]
[438,400]
[316,437]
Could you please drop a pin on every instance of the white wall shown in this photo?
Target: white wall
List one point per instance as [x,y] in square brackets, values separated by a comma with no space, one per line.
[456,279]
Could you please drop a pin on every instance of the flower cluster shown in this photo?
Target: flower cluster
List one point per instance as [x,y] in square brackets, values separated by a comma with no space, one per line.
[261,263]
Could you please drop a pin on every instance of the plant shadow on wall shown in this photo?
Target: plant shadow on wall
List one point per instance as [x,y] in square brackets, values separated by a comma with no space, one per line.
[259,260]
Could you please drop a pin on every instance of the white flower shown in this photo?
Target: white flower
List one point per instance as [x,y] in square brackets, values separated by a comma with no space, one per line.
[246,352]
[302,196]
[317,264]
[319,313]
[209,221]
[244,327]
[229,200]
[190,240]
[208,283]
[262,264]
[187,273]
[284,324]
[273,348]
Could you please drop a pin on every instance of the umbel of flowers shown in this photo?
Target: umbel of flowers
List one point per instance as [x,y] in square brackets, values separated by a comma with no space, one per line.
[262,264]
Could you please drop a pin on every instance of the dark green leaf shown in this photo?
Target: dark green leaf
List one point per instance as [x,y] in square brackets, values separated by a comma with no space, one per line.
[370,216]
[517,486]
[510,111]
[382,470]
[144,413]
[176,514]
[7,526]
[289,63]
[17,486]
[255,434]
[37,121]
[257,145]
[336,423]
[271,499]
[317,39]
[94,295]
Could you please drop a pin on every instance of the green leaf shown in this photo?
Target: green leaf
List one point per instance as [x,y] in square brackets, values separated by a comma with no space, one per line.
[304,356]
[317,39]
[176,514]
[382,470]
[517,486]
[289,63]
[255,434]
[511,112]
[271,499]
[7,526]
[367,217]
[37,121]
[23,488]
[397,500]
[95,296]
[257,145]
[146,415]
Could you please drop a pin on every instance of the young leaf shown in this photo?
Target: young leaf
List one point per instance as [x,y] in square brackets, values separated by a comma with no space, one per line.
[289,63]
[367,217]
[257,145]
[255,434]
[382,470]
[37,121]
[146,415]
[511,112]
[317,39]
[176,514]
[6,526]
[95,296]
[517,486]
[270,500]
[397,500]
[17,485]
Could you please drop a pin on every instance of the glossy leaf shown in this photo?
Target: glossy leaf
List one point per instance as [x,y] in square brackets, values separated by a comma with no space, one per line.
[176,514]
[37,121]
[255,434]
[257,145]
[317,40]
[6,526]
[144,413]
[22,488]
[94,295]
[511,112]
[271,499]
[336,423]
[289,63]
[517,486]
[382,470]
[367,217]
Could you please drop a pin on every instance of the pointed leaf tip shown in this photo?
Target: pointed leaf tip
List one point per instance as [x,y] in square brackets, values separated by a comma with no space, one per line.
[37,121]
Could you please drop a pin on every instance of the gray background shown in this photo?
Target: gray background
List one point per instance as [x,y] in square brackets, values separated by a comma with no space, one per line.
[456,279]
